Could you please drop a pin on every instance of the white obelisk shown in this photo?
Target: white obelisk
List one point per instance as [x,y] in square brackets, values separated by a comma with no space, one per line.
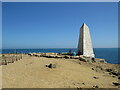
[85,43]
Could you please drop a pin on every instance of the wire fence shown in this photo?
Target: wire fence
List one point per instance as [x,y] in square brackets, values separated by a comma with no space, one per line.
[9,58]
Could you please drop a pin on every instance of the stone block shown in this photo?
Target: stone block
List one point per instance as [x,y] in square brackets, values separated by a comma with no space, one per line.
[52,65]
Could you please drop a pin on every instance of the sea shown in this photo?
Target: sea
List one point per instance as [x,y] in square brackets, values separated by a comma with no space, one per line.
[109,54]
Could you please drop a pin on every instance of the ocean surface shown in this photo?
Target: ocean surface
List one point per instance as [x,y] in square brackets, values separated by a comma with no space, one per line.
[109,54]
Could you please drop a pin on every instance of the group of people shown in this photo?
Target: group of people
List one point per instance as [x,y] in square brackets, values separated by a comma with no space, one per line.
[72,53]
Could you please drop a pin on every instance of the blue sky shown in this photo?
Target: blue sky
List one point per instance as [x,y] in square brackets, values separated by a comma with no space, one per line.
[57,25]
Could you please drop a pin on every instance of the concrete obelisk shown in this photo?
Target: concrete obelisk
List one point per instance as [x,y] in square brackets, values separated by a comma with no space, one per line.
[85,43]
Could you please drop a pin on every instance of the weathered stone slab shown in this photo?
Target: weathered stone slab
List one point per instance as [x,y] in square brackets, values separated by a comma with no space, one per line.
[75,57]
[91,59]
[83,59]
[66,57]
[98,60]
[51,56]
[59,56]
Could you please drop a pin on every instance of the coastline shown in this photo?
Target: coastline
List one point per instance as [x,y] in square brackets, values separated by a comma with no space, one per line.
[109,54]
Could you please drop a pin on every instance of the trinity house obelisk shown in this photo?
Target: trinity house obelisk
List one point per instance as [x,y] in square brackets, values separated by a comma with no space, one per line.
[85,43]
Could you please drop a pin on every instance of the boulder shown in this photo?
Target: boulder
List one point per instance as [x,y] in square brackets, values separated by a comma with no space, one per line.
[65,53]
[116,73]
[52,56]
[74,57]
[86,59]
[113,72]
[52,65]
[96,77]
[99,68]
[42,55]
[30,54]
[92,68]
[95,86]
[116,83]
[59,56]
[66,57]
[83,59]
[36,55]
[109,70]
[98,60]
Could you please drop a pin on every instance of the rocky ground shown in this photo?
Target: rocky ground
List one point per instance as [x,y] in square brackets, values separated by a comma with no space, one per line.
[42,72]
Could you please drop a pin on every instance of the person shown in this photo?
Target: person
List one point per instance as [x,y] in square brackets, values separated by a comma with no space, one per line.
[70,51]
[74,54]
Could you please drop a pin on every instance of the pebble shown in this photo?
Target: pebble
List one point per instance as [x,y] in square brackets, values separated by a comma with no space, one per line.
[113,76]
[92,68]
[96,86]
[109,70]
[83,83]
[96,77]
[79,62]
[79,88]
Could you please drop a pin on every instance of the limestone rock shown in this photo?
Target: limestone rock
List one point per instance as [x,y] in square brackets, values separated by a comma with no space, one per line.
[74,57]
[30,54]
[91,59]
[109,69]
[52,65]
[83,59]
[116,73]
[66,57]
[59,56]
[96,77]
[116,83]
[113,72]
[99,60]
[51,56]
[96,86]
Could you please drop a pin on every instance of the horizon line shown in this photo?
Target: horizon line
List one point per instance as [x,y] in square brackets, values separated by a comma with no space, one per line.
[56,48]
